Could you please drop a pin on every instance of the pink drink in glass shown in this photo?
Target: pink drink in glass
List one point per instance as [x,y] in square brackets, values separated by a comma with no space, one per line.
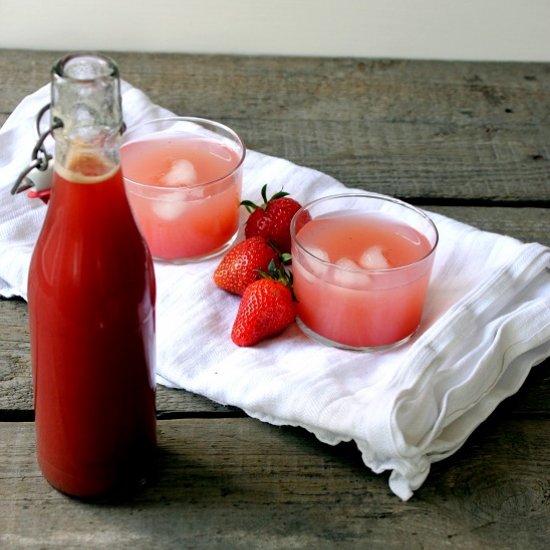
[361,274]
[185,191]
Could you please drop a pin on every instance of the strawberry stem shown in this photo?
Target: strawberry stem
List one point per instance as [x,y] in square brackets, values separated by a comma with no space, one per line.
[280,194]
[251,206]
[279,274]
[264,194]
[286,258]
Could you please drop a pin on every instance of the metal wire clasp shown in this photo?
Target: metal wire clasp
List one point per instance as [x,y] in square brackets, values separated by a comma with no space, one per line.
[40,158]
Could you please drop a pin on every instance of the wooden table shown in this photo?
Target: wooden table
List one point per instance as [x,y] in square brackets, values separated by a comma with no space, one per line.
[470,140]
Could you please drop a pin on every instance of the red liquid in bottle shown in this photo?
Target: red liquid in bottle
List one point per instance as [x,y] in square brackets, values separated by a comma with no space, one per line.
[92,323]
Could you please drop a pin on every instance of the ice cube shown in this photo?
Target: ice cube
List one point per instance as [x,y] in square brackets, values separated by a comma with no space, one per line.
[319,253]
[168,209]
[347,263]
[312,264]
[348,273]
[373,258]
[181,173]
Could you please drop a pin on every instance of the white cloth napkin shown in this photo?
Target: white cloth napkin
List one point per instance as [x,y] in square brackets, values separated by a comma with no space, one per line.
[487,322]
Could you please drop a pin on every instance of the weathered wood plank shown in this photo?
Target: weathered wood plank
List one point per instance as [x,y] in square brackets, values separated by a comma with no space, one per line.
[443,133]
[238,483]
[525,224]
[409,128]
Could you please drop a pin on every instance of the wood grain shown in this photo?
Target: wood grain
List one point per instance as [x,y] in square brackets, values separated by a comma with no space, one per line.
[467,140]
[215,483]
[413,129]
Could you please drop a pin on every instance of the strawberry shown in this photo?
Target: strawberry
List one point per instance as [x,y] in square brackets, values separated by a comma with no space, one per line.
[266,309]
[272,219]
[244,263]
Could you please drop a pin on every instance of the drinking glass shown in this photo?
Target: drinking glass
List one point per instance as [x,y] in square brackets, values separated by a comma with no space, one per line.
[361,263]
[183,178]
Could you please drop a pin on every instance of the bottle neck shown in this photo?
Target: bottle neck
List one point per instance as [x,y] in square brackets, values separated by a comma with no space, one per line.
[86,101]
[86,162]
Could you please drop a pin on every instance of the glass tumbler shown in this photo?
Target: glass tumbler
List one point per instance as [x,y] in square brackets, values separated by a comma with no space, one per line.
[183,178]
[361,264]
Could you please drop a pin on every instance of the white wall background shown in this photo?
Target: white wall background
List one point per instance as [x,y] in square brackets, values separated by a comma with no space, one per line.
[515,30]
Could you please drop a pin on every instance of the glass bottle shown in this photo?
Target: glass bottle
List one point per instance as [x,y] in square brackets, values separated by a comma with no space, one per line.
[91,296]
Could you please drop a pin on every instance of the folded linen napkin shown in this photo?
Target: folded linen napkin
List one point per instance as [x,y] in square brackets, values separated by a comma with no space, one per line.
[486,323]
